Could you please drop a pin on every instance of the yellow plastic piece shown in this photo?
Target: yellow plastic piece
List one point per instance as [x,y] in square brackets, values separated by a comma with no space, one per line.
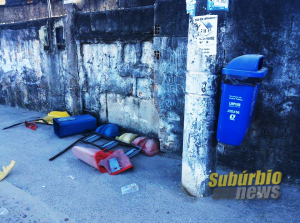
[127,137]
[6,170]
[54,114]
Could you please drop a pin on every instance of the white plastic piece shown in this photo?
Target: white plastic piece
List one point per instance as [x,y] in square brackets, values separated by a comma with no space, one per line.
[130,188]
[3,211]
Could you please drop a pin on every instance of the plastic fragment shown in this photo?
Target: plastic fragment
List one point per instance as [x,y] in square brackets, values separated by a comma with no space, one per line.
[3,211]
[130,188]
[30,125]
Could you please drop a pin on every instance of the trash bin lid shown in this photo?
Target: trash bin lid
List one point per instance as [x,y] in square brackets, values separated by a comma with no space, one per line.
[248,66]
[109,130]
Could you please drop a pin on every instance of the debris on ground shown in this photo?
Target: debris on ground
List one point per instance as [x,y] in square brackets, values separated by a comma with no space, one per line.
[130,188]
[30,125]
[7,169]
[70,176]
[3,211]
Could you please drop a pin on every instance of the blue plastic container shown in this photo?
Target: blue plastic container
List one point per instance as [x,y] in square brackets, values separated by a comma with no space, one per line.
[82,123]
[109,130]
[240,86]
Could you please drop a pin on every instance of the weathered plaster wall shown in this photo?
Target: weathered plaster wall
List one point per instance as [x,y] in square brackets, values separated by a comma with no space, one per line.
[29,76]
[270,28]
[116,67]
[170,71]
[117,82]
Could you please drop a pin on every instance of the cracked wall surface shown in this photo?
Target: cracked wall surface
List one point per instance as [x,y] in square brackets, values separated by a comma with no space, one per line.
[29,76]
[116,81]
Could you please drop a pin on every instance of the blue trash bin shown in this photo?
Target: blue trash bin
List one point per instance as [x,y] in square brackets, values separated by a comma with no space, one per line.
[240,84]
[74,125]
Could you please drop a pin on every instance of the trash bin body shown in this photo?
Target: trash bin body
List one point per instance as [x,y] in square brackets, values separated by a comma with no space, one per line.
[240,85]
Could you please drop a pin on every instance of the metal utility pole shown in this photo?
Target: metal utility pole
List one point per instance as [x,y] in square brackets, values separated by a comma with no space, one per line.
[201,108]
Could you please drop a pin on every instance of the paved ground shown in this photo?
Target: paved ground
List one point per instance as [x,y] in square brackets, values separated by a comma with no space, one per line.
[42,191]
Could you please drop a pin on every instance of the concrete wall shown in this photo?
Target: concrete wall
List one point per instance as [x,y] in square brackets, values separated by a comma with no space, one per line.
[117,82]
[116,67]
[170,71]
[30,77]
[270,28]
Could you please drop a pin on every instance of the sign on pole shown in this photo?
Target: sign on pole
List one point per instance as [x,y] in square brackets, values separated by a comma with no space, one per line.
[207,33]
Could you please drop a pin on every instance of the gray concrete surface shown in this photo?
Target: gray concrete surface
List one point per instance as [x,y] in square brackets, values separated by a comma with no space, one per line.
[96,197]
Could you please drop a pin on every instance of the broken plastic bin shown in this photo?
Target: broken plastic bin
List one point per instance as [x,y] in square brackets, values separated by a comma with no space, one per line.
[74,125]
[240,84]
[91,156]
[109,130]
[123,161]
[127,137]
[149,146]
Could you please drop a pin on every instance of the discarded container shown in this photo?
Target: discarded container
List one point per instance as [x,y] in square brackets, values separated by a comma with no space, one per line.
[123,161]
[109,130]
[91,156]
[7,169]
[127,137]
[54,114]
[130,188]
[240,85]
[149,146]
[82,123]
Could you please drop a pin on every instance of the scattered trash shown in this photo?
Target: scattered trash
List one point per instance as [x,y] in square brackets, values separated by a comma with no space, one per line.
[54,114]
[90,139]
[109,130]
[132,152]
[123,161]
[35,120]
[74,125]
[7,169]
[3,211]
[114,165]
[149,146]
[72,177]
[127,137]
[130,188]
[30,125]
[91,156]
[66,149]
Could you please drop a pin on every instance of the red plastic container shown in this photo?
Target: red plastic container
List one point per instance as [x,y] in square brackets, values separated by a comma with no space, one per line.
[91,156]
[149,146]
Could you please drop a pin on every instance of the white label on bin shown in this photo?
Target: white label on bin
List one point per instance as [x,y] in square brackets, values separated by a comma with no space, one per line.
[232,117]
[234,104]
[237,98]
[233,111]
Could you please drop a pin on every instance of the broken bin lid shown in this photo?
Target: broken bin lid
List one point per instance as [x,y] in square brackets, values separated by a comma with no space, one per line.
[109,130]
[250,65]
[149,146]
[127,137]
